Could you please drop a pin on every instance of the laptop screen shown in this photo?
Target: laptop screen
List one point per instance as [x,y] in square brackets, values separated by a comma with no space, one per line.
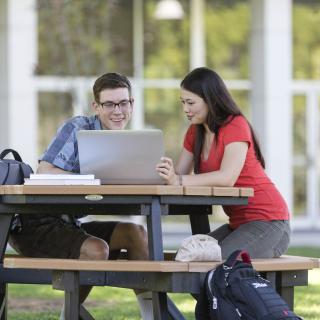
[121,156]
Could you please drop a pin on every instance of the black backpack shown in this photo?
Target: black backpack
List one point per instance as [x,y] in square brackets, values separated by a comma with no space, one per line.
[13,171]
[234,290]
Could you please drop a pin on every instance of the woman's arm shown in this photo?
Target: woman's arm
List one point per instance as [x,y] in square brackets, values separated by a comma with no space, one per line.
[185,162]
[230,169]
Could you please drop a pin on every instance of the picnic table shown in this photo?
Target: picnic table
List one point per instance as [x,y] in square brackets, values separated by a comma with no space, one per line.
[153,202]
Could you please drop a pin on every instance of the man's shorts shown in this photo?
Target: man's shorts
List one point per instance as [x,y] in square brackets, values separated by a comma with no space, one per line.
[59,239]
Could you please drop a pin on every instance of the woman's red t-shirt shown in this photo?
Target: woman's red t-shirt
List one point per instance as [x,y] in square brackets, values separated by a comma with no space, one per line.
[267,203]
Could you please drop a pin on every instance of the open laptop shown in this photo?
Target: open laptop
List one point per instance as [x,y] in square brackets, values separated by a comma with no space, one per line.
[121,156]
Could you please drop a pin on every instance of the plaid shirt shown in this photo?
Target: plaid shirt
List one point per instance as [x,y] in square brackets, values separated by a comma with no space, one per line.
[63,150]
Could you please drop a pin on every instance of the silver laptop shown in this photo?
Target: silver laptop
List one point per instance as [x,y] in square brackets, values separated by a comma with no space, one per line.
[121,156]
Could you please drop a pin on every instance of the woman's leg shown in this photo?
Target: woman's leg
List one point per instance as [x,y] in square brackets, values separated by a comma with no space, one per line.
[262,239]
[221,233]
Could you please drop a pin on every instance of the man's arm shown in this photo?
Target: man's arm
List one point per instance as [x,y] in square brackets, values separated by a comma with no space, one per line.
[46,167]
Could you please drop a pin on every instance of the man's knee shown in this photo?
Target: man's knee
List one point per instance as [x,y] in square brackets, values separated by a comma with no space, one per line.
[94,249]
[135,234]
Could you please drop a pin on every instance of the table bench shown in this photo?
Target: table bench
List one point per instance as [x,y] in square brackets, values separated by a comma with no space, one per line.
[284,273]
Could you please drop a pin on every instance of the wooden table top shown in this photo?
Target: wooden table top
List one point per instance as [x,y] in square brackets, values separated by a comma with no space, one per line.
[127,190]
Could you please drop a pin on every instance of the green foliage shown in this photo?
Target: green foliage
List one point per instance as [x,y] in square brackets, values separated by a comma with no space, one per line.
[306,40]
[166,45]
[299,151]
[89,37]
[307,300]
[34,315]
[164,111]
[84,37]
[227,28]
[305,252]
[54,109]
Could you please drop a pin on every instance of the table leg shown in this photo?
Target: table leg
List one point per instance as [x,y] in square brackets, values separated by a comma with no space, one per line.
[162,305]
[155,231]
[174,312]
[5,222]
[68,281]
[71,298]
[3,301]
[199,223]
[84,314]
[286,282]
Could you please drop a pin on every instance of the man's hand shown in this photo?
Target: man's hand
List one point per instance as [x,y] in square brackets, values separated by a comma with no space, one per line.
[166,171]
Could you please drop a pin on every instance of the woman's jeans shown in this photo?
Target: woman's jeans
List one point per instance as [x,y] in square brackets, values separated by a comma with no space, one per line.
[262,239]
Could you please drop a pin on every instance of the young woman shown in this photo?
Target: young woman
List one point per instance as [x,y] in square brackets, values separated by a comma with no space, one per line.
[221,149]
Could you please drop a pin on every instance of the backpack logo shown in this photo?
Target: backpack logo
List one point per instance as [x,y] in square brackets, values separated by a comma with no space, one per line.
[257,285]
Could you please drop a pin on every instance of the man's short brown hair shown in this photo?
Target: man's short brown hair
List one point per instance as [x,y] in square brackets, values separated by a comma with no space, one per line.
[111,80]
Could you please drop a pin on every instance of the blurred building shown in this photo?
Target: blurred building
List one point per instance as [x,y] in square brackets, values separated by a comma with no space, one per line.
[270,86]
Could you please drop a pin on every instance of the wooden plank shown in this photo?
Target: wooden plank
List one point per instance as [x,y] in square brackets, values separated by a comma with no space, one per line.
[101,190]
[246,192]
[285,263]
[13,189]
[202,266]
[225,192]
[128,190]
[275,264]
[316,261]
[197,191]
[91,265]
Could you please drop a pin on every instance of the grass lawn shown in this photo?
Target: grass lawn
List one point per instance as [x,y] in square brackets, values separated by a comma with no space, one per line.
[33,302]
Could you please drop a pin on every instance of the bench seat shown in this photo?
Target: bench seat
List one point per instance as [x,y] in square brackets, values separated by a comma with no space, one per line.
[160,277]
[283,263]
[91,265]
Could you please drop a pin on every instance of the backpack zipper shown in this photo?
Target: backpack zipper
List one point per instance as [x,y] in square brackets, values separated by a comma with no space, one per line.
[214,299]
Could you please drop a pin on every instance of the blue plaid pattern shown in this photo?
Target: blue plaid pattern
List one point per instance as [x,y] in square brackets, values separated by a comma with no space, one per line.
[63,150]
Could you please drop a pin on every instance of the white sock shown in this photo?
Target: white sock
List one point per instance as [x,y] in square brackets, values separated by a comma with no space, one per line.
[62,313]
[145,303]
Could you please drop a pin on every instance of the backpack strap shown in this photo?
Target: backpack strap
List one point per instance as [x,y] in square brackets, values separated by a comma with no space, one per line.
[237,255]
[15,154]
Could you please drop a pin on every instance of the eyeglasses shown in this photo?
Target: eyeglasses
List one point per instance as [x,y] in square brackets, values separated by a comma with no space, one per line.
[110,106]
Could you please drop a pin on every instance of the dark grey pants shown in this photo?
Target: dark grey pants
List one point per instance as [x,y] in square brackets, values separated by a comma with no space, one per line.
[262,239]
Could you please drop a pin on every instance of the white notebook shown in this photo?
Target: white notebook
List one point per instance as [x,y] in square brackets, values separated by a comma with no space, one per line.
[41,176]
[61,182]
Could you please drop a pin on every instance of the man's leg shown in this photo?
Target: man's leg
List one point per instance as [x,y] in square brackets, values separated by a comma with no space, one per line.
[134,239]
[92,249]
[131,237]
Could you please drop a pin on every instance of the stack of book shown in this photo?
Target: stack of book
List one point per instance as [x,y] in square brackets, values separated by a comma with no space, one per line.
[61,179]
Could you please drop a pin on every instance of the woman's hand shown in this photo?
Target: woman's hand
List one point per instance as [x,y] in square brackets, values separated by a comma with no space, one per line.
[166,171]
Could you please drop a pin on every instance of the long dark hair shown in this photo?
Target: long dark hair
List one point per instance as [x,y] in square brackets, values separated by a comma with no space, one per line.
[208,85]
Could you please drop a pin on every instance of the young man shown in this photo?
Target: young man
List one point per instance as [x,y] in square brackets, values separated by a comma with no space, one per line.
[66,236]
